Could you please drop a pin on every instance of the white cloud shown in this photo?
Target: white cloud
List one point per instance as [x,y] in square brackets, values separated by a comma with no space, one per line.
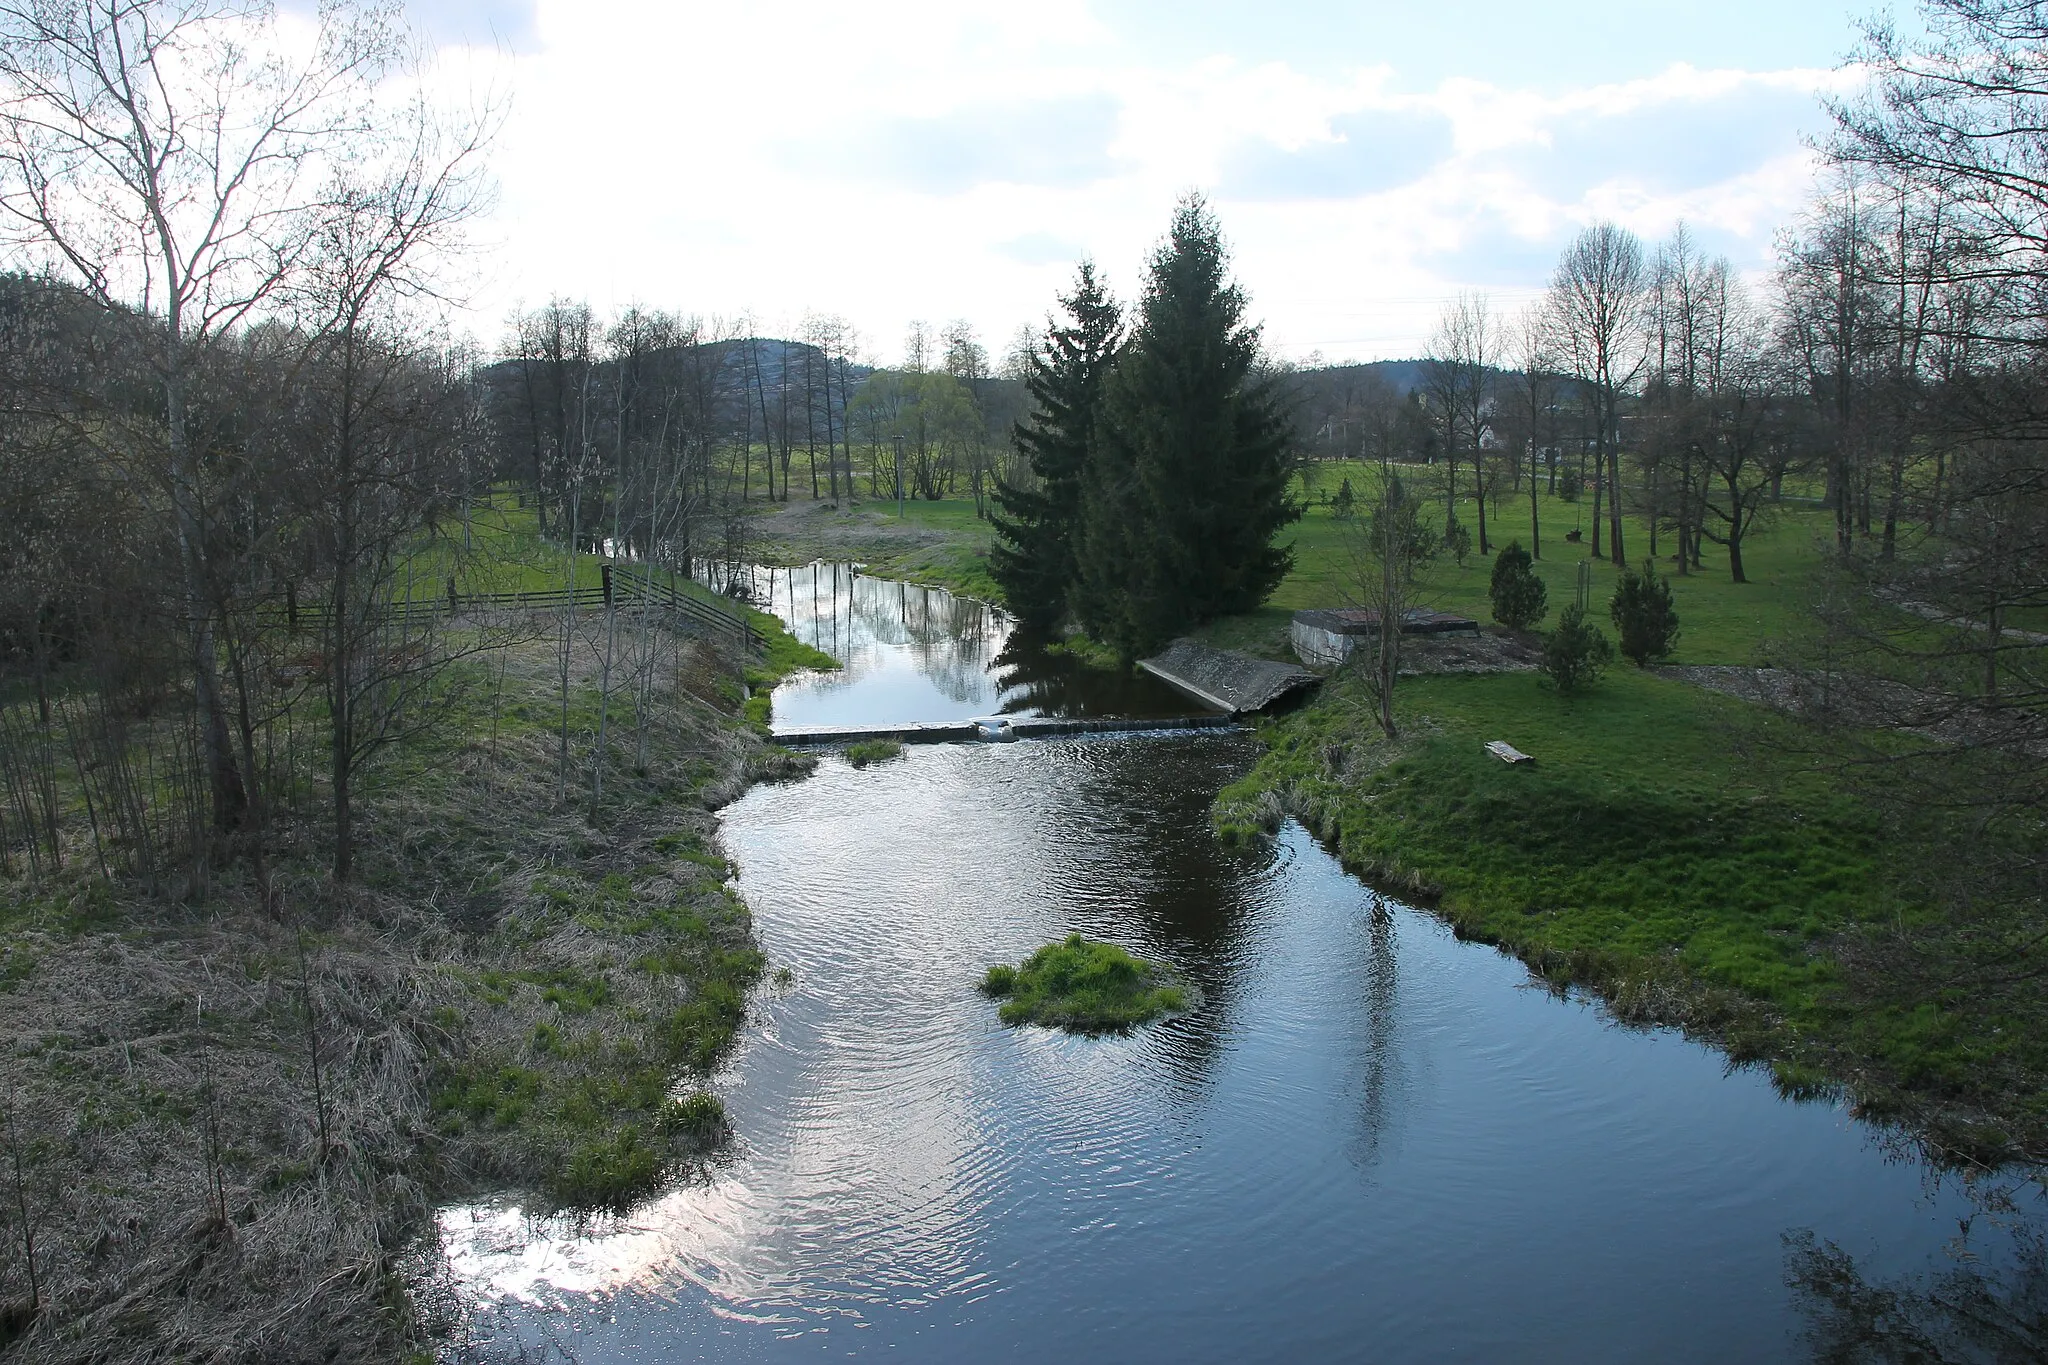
[941,160]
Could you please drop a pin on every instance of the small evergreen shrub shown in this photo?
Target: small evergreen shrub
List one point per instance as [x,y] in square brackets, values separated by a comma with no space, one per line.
[1519,597]
[1570,483]
[1643,613]
[1343,503]
[1458,541]
[1576,651]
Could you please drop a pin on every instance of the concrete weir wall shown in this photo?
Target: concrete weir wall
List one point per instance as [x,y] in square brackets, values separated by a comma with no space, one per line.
[1231,682]
[994,727]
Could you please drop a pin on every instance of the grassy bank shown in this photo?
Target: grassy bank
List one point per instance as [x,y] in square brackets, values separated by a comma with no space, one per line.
[1666,850]
[938,544]
[233,1105]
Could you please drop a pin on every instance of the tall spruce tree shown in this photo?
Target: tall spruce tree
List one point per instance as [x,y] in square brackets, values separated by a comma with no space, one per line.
[1187,480]
[1038,529]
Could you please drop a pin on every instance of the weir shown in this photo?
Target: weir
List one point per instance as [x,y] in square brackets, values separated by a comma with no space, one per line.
[995,728]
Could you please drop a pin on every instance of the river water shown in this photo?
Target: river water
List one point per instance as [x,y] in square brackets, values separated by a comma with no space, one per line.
[1370,1142]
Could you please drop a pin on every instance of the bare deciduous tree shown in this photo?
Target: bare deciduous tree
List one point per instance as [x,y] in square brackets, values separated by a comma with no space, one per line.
[1596,309]
[1463,353]
[171,156]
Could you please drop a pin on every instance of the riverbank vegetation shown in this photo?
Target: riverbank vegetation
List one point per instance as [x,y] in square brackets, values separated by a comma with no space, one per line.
[868,751]
[1687,857]
[1084,986]
[332,883]
[266,1080]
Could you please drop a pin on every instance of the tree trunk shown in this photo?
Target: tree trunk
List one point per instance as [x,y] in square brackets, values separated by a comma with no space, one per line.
[1615,548]
[230,797]
[1479,491]
[1894,499]
[1599,491]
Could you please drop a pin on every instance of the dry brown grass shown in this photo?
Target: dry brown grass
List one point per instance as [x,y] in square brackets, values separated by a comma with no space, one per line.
[161,1142]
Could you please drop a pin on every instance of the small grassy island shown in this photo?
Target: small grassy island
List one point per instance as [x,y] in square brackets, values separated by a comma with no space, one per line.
[1085,987]
[873,751]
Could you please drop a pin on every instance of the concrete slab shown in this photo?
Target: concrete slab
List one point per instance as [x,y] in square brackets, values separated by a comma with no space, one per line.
[1233,683]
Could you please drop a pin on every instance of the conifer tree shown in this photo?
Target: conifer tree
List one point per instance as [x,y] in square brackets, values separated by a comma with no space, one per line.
[1038,529]
[1519,596]
[1187,484]
[1643,612]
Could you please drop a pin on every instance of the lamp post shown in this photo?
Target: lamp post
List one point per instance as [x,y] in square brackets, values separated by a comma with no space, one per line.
[899,476]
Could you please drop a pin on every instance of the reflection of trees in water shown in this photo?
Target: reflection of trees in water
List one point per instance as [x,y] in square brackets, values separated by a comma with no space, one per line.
[848,615]
[1379,1058]
[1189,893]
[1033,682]
[954,646]
[1975,1313]
[966,648]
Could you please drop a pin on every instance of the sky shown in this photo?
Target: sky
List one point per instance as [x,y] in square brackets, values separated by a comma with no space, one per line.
[951,159]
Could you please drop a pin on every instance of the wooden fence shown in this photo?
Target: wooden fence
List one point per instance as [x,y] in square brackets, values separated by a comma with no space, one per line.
[622,584]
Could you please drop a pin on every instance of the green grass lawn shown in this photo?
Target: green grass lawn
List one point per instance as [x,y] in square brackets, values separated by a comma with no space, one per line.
[501,550]
[947,545]
[1721,622]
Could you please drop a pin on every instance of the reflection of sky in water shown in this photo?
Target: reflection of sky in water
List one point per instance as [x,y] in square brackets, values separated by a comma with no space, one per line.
[1371,1138]
[909,653]
[922,654]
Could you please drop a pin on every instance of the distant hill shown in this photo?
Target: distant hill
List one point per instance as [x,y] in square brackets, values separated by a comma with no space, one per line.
[1404,375]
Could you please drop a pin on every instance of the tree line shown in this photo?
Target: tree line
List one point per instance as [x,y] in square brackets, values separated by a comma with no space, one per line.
[1653,379]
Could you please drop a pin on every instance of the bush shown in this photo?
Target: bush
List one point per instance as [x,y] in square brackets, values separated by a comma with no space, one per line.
[1576,651]
[1458,541]
[1342,504]
[1643,613]
[1519,597]
[1570,483]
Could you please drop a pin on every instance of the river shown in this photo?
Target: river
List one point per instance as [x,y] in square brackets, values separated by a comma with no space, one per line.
[1371,1142]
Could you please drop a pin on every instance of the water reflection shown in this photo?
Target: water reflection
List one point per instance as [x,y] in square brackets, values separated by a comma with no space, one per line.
[1368,1142]
[923,654]
[1982,1308]
[1380,1077]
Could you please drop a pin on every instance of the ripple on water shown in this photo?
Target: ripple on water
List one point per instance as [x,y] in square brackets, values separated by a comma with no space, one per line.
[1368,1133]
